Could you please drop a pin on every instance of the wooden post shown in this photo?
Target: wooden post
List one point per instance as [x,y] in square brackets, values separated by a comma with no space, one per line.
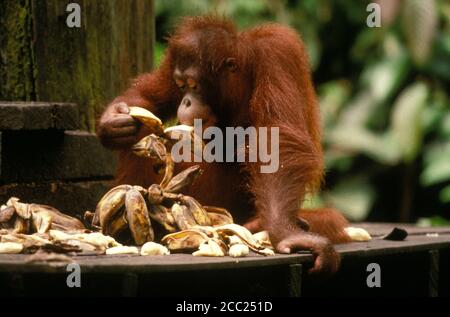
[43,59]
[434,273]
[295,280]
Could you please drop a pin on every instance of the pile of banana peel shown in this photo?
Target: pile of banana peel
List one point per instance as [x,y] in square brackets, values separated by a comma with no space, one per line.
[190,227]
[130,214]
[187,225]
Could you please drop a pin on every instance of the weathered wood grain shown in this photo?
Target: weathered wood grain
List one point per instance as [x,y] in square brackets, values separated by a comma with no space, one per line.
[45,60]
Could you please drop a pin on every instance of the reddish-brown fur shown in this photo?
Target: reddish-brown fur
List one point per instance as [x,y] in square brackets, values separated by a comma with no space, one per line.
[272,88]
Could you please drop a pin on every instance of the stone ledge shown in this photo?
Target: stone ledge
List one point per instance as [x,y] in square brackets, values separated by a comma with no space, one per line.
[38,116]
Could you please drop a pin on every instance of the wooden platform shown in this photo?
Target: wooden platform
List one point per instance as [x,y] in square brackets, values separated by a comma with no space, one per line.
[420,266]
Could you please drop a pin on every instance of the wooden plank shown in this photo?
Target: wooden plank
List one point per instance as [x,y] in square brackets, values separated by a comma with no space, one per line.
[38,116]
[130,283]
[413,243]
[16,63]
[57,155]
[45,60]
[381,229]
[148,264]
[187,262]
[178,262]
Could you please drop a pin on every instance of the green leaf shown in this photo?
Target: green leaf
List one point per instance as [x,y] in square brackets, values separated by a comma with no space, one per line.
[444,195]
[437,164]
[435,221]
[313,202]
[379,82]
[380,148]
[354,197]
[333,95]
[407,121]
[384,77]
[419,22]
[339,160]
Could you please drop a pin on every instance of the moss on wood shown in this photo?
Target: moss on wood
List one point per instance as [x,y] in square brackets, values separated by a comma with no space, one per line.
[43,59]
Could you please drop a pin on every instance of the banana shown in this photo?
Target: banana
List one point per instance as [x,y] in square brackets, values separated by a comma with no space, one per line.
[109,205]
[94,241]
[148,119]
[263,238]
[97,239]
[163,216]
[358,234]
[41,221]
[138,219]
[58,219]
[7,213]
[198,212]
[183,179]
[140,189]
[246,237]
[117,225]
[152,248]
[238,250]
[21,225]
[155,194]
[10,248]
[180,132]
[27,240]
[168,172]
[219,210]
[173,131]
[151,147]
[218,219]
[183,217]
[122,250]
[88,216]
[209,231]
[186,240]
[211,247]
[232,240]
[218,216]
[21,208]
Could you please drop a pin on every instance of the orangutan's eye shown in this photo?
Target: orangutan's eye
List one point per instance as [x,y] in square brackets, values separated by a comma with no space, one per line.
[192,84]
[180,83]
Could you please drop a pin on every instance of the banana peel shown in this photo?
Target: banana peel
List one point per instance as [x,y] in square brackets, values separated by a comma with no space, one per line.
[186,240]
[152,122]
[138,219]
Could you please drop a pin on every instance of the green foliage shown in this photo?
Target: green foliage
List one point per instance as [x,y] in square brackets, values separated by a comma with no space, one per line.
[383,95]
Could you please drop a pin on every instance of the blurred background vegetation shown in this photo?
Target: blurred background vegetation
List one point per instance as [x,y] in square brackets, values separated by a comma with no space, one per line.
[383,94]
